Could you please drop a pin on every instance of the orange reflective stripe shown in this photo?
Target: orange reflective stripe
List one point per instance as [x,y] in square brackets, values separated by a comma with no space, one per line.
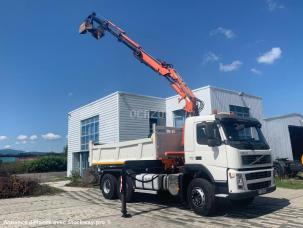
[109,163]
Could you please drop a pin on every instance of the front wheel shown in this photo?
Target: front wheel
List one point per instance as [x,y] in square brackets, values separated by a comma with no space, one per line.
[201,196]
[242,202]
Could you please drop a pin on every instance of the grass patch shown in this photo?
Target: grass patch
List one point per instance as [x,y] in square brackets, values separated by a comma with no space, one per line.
[45,189]
[289,183]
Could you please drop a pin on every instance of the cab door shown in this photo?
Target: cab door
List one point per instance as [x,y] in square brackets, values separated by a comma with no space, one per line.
[210,150]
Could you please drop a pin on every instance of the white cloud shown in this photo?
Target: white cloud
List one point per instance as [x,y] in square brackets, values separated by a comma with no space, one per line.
[273,5]
[229,34]
[270,56]
[50,136]
[235,65]
[33,137]
[210,57]
[255,71]
[7,146]
[22,137]
[3,137]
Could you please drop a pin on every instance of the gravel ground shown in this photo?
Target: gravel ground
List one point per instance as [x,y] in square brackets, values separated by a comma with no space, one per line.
[80,207]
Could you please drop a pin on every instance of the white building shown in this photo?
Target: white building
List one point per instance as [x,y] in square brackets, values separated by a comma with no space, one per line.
[124,116]
[284,134]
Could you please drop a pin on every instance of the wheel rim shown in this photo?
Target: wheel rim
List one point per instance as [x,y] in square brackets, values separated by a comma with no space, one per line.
[198,197]
[106,186]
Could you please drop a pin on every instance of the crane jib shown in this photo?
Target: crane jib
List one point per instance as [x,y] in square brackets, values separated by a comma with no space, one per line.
[192,104]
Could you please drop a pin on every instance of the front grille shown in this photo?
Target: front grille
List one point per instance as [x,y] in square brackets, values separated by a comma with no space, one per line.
[260,185]
[258,175]
[251,159]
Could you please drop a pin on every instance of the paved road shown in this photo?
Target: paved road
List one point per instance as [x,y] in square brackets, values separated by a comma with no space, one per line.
[283,208]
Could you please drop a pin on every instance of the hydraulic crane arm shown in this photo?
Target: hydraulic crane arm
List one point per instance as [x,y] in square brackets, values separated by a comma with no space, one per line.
[192,104]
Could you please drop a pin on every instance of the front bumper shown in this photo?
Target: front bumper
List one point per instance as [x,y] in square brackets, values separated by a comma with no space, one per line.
[245,184]
[251,193]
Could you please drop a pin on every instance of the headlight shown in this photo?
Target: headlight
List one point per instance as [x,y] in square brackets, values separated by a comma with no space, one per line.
[240,182]
[231,175]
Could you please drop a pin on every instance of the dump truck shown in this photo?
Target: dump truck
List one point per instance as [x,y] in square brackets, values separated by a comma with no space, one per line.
[222,156]
[219,155]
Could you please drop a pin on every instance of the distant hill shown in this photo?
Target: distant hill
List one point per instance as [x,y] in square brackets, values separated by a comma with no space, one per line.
[18,153]
[11,152]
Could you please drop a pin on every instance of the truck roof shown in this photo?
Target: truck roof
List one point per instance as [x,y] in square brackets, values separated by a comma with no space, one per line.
[222,117]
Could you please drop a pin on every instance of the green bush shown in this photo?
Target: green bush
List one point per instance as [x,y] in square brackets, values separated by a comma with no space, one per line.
[88,180]
[51,163]
[47,164]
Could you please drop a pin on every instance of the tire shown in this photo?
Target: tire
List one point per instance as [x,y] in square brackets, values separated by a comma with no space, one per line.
[129,189]
[279,170]
[201,196]
[108,186]
[242,202]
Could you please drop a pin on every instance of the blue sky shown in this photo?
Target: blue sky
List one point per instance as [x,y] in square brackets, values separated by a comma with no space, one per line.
[47,69]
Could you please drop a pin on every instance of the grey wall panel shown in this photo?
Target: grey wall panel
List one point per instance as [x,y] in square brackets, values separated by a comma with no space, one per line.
[221,99]
[134,114]
[107,109]
[173,104]
[217,99]
[277,134]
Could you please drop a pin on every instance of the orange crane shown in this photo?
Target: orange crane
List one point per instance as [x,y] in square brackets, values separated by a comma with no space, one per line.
[193,105]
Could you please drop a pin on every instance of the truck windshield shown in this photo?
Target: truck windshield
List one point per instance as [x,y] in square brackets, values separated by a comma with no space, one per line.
[244,135]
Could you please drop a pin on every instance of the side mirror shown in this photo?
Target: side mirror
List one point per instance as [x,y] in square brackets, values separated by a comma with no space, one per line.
[214,142]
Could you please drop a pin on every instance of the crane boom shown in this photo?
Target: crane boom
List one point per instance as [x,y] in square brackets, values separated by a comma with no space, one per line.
[192,104]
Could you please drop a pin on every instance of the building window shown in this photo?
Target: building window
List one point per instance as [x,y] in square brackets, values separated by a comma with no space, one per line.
[179,118]
[158,118]
[89,131]
[239,111]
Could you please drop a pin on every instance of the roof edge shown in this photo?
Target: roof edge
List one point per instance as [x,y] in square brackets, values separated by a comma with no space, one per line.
[93,102]
[284,116]
[220,89]
[113,94]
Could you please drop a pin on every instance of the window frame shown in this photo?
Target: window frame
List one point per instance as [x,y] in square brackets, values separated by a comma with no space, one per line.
[179,115]
[218,136]
[160,118]
[240,111]
[89,130]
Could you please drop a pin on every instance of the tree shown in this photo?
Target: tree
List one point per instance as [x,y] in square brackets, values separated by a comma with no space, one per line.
[65,150]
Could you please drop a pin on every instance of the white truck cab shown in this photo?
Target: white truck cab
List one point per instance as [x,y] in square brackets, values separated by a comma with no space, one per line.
[217,155]
[234,152]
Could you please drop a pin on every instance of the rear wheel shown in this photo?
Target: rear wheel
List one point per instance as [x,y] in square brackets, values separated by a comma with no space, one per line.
[108,186]
[279,170]
[201,196]
[242,202]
